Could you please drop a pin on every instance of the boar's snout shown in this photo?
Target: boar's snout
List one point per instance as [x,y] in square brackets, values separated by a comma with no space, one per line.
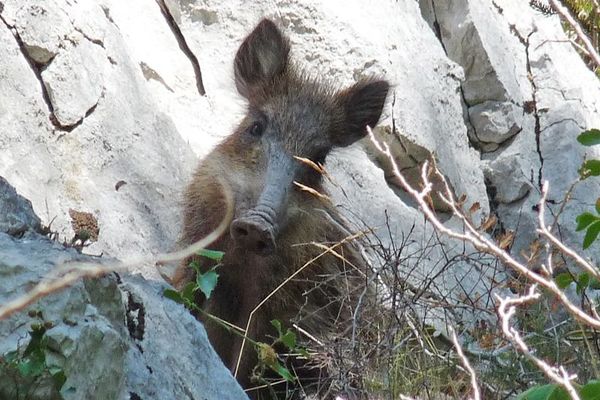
[254,234]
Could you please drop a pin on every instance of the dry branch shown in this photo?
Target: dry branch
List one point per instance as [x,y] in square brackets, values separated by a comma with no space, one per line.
[562,10]
[67,274]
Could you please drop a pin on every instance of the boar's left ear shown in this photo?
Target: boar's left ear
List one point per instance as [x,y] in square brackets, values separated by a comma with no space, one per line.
[362,105]
[261,58]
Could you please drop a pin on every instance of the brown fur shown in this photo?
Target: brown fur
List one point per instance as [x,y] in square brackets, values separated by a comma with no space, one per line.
[301,117]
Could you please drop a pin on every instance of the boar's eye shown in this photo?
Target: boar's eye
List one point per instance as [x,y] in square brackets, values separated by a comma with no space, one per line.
[256,129]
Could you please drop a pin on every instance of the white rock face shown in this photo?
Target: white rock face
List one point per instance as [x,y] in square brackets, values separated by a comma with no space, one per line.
[105,105]
[85,122]
[116,337]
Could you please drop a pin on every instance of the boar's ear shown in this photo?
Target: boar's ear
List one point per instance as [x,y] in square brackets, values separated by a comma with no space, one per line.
[261,57]
[362,105]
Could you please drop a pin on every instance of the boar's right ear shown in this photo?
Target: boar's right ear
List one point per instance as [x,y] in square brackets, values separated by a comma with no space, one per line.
[362,105]
[261,58]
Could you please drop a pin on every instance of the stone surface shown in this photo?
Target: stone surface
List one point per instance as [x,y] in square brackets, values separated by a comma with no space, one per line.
[84,123]
[113,337]
[495,122]
[17,215]
[102,112]
[74,81]
[42,25]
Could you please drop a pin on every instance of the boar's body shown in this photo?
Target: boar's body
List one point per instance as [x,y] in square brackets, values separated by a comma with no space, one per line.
[275,223]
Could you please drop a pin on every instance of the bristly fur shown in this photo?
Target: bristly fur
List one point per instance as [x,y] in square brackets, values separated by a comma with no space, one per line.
[299,116]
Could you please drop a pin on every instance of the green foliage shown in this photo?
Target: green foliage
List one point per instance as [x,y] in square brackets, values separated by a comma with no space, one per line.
[268,357]
[589,391]
[590,137]
[23,371]
[588,221]
[206,283]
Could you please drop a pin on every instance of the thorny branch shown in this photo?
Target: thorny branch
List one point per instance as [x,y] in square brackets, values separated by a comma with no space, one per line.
[506,308]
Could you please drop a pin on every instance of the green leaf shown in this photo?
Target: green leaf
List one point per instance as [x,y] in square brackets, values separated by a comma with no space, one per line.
[545,392]
[598,205]
[207,282]
[187,293]
[594,284]
[33,366]
[584,220]
[590,391]
[592,233]
[173,295]
[589,138]
[277,324]
[195,265]
[592,167]
[282,371]
[212,254]
[58,376]
[289,340]
[583,280]
[563,279]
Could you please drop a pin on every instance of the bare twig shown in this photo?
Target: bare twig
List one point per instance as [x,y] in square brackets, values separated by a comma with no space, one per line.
[467,365]
[473,236]
[282,284]
[506,309]
[67,274]
[544,231]
[562,10]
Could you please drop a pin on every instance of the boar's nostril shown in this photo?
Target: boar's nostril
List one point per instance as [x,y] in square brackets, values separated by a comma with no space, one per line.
[240,231]
[251,234]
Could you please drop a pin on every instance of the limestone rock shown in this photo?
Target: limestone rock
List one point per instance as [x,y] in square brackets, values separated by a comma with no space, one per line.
[113,337]
[17,215]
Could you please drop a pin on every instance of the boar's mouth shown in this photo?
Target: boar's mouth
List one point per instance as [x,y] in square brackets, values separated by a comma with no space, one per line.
[257,228]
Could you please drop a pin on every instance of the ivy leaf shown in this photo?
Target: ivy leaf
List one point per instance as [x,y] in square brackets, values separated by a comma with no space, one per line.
[289,340]
[584,220]
[544,392]
[592,233]
[212,254]
[207,282]
[589,138]
[173,295]
[563,279]
[590,391]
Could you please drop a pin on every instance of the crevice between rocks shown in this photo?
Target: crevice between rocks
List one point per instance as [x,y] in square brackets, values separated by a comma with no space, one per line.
[37,71]
[185,48]
[466,117]
[531,106]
